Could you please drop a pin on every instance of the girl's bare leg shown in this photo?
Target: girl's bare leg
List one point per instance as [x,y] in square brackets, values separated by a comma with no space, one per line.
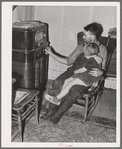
[66,81]
[72,82]
[65,89]
[56,100]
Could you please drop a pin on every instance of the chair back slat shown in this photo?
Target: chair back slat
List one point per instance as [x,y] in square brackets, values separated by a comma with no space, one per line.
[111,47]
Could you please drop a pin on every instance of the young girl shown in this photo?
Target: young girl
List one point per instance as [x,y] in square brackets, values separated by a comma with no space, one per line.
[81,76]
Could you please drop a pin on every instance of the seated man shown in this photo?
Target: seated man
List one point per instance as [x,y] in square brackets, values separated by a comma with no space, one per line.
[92,32]
[89,59]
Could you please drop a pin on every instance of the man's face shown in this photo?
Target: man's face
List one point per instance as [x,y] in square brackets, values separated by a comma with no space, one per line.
[87,37]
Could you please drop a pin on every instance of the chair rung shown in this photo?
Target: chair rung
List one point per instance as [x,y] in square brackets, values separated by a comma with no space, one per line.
[25,114]
[14,119]
[77,105]
[91,102]
[30,107]
[80,101]
[90,107]
[14,115]
[29,116]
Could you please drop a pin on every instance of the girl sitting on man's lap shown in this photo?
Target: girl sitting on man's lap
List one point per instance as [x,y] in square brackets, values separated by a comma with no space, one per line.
[81,76]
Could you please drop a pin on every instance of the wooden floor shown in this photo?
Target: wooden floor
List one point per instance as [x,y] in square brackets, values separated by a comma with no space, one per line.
[107,105]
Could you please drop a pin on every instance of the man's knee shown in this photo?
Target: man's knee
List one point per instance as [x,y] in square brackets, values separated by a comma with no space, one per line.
[74,91]
[56,84]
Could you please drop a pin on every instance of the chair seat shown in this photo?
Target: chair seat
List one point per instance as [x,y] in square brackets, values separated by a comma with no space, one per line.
[88,102]
[89,99]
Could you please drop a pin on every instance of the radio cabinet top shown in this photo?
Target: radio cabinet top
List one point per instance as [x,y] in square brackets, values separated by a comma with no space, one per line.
[29,35]
[27,25]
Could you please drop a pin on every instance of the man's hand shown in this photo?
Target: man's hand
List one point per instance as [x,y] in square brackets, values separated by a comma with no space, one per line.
[48,51]
[57,57]
[96,72]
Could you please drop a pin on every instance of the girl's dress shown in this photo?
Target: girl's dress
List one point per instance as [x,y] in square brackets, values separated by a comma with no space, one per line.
[93,62]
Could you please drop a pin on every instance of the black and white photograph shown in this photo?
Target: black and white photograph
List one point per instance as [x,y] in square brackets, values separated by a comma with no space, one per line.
[52,96]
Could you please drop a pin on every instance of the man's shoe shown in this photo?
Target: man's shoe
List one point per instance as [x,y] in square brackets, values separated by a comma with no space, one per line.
[54,120]
[44,117]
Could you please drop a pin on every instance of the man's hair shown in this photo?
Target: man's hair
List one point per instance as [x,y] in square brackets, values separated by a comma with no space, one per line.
[95,28]
[94,49]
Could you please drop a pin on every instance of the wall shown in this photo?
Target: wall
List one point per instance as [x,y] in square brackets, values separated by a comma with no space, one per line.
[23,13]
[106,16]
[64,24]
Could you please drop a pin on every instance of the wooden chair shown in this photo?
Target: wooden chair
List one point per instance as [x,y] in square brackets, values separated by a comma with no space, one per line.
[90,98]
[23,110]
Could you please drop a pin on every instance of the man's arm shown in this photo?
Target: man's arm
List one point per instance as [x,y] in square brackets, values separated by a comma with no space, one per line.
[90,63]
[66,60]
[62,60]
[96,72]
[80,70]
[79,49]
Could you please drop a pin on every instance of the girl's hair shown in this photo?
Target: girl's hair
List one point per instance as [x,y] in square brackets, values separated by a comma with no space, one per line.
[95,28]
[94,49]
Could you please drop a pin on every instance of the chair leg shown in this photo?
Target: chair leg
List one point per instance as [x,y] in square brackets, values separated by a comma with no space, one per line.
[37,111]
[97,98]
[20,125]
[86,109]
[95,101]
[92,108]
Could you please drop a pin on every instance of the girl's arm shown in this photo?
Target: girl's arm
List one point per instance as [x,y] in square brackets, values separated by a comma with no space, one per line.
[81,70]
